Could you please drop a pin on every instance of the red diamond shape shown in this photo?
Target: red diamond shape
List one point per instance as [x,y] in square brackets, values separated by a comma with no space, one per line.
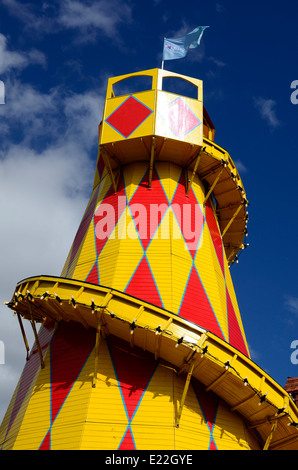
[182,119]
[128,116]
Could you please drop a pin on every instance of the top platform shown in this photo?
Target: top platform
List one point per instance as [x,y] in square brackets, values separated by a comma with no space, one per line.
[130,120]
[155,125]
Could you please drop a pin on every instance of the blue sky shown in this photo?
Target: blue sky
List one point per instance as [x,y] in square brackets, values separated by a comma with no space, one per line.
[55,58]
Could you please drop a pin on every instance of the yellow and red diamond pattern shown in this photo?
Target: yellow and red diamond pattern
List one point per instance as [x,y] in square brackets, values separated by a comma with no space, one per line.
[157,260]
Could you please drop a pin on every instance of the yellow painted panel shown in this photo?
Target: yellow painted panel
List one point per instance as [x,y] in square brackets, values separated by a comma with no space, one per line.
[106,402]
[229,431]
[87,255]
[127,263]
[154,437]
[106,269]
[108,438]
[111,245]
[89,247]
[133,175]
[152,425]
[82,270]
[62,439]
[106,418]
[192,439]
[169,175]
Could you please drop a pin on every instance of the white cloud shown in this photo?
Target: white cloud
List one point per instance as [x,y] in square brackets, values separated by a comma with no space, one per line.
[26,100]
[42,197]
[24,12]
[17,60]
[82,111]
[103,14]
[43,192]
[266,108]
[49,117]
[87,17]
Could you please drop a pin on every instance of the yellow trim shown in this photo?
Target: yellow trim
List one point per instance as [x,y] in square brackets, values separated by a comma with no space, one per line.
[214,184]
[157,76]
[185,390]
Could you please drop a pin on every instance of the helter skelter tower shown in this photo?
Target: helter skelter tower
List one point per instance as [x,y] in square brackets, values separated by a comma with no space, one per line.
[141,344]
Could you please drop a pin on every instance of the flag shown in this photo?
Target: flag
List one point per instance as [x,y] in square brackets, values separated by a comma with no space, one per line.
[177,48]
